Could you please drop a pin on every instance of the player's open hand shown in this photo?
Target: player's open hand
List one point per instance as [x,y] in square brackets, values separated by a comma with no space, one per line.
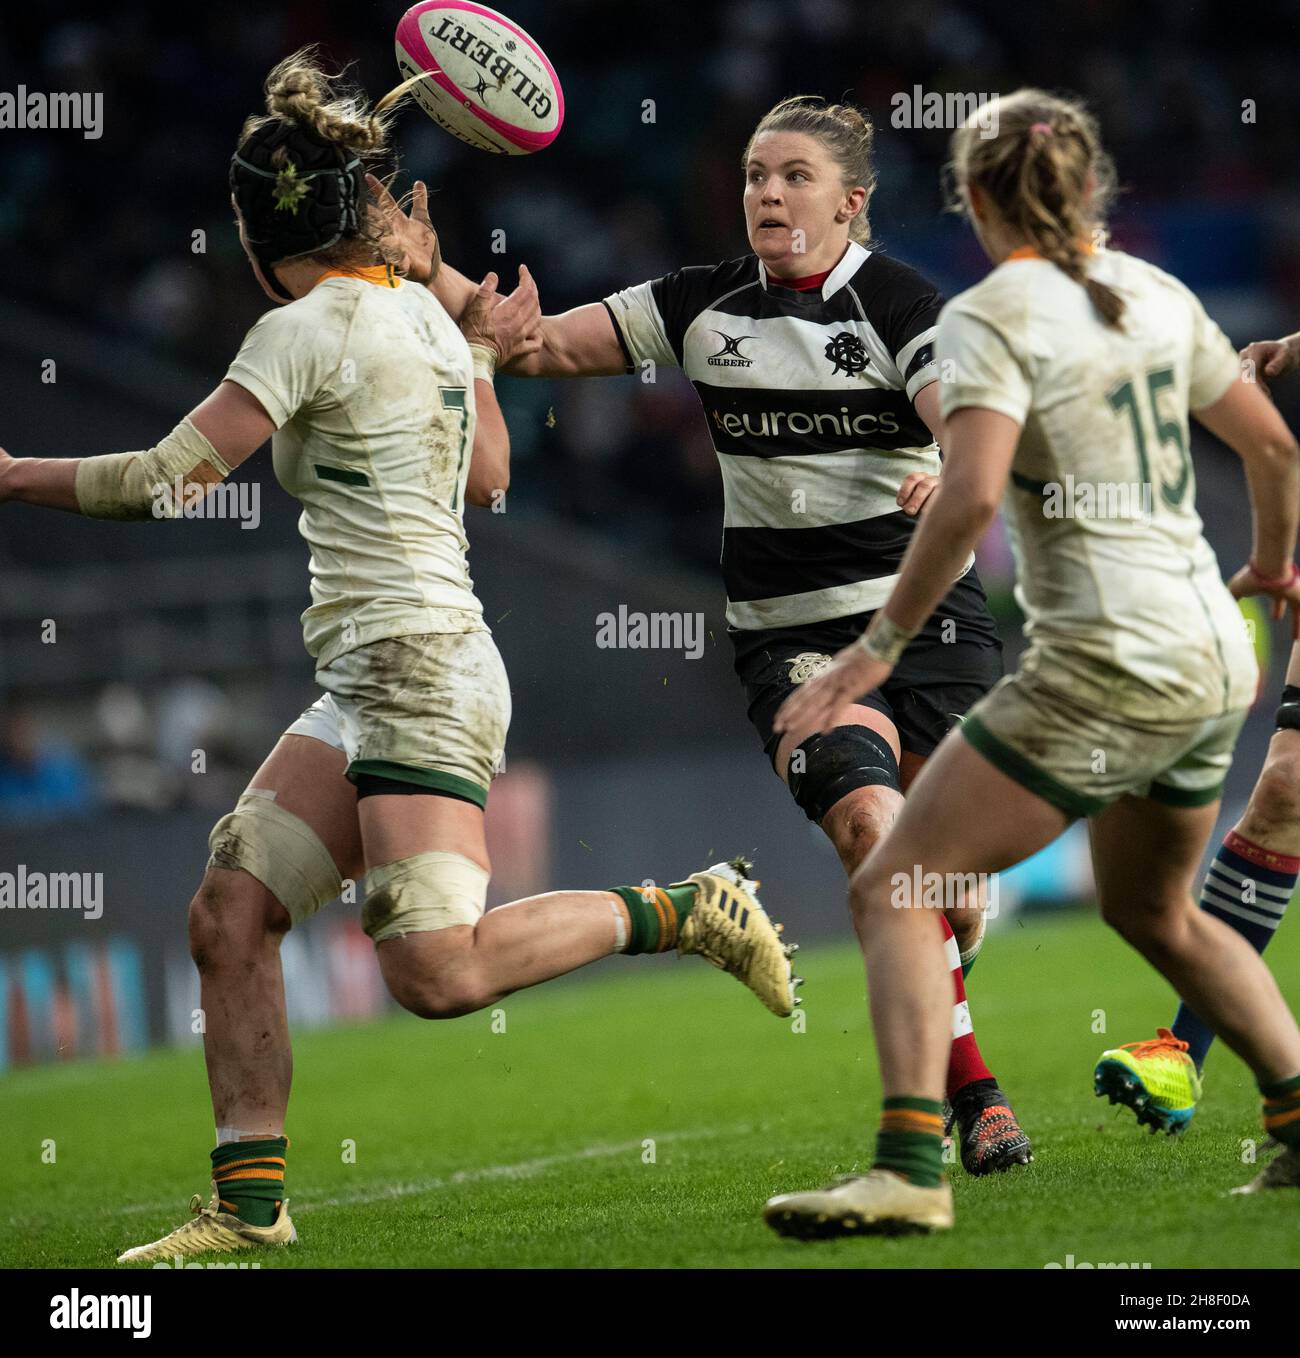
[411,237]
[916,489]
[1271,358]
[821,703]
[511,325]
[1283,593]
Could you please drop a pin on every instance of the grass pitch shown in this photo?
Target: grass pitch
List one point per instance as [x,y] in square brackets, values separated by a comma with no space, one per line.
[640,1119]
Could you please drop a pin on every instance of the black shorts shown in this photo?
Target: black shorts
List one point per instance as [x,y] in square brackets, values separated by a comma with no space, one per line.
[948,666]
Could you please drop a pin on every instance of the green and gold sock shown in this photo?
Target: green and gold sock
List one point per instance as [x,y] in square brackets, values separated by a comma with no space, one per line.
[1282,1110]
[656,914]
[910,1140]
[250,1178]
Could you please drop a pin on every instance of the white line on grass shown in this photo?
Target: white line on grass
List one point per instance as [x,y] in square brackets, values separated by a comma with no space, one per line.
[523,1169]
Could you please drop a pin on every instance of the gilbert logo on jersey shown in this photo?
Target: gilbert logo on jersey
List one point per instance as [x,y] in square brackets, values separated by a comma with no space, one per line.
[729,356]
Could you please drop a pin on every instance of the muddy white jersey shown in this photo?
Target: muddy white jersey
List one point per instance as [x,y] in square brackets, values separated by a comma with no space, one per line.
[1123,596]
[370,385]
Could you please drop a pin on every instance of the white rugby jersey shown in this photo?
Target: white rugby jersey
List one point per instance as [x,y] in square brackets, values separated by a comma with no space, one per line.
[371,387]
[1124,601]
[809,402]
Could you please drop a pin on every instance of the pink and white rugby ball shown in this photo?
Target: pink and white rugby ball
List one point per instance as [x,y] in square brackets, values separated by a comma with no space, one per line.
[489,83]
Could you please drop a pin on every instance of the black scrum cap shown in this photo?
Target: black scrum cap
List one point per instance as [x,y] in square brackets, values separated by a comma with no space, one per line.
[297,192]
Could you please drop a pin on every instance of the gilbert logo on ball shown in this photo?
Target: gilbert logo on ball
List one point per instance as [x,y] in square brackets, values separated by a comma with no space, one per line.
[489,83]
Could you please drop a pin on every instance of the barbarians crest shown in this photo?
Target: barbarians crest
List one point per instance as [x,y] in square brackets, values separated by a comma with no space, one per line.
[847,353]
[807,665]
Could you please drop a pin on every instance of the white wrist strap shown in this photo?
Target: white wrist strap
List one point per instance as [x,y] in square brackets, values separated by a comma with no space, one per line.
[485,362]
[885,640]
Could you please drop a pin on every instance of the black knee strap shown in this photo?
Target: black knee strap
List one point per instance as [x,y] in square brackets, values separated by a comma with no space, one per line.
[827,767]
[1288,714]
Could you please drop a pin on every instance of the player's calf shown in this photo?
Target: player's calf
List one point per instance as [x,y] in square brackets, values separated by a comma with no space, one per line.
[1254,873]
[1274,806]
[235,929]
[990,1136]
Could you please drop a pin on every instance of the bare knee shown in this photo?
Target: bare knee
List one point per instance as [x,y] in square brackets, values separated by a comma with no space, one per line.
[232,916]
[448,987]
[432,997]
[859,821]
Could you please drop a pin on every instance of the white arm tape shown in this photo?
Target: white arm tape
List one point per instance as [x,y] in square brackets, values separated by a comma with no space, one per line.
[884,639]
[143,485]
[485,362]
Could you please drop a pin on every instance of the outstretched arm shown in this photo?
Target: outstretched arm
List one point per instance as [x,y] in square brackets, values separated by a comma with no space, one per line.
[577,343]
[215,437]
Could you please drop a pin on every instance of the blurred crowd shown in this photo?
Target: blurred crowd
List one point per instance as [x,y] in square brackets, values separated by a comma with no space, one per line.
[631,188]
[179,746]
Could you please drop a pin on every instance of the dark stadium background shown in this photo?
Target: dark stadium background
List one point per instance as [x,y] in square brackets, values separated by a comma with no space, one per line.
[622,764]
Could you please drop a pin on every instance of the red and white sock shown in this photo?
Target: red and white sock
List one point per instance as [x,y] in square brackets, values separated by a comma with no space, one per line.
[965,1064]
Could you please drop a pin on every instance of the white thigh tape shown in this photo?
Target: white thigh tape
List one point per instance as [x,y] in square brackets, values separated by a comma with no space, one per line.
[428,891]
[283,852]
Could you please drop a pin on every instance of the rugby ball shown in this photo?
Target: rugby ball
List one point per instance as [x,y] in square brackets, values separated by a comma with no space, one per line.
[488,82]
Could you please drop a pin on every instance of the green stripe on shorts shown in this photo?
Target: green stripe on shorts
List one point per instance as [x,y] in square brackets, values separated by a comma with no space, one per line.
[1029,776]
[437,780]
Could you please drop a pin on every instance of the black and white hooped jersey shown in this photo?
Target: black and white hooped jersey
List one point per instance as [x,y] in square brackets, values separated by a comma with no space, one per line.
[809,401]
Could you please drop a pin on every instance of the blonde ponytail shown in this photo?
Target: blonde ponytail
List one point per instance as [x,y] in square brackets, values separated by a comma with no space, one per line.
[299,90]
[1045,172]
